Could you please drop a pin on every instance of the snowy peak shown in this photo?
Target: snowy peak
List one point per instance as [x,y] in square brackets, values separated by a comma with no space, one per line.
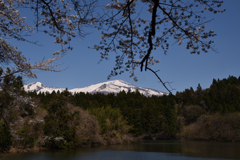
[114,86]
[39,87]
[34,86]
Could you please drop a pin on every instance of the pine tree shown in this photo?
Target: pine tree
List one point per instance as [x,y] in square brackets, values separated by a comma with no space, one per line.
[5,137]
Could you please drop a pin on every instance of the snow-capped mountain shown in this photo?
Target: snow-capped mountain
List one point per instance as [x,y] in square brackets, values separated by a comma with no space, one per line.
[39,87]
[114,86]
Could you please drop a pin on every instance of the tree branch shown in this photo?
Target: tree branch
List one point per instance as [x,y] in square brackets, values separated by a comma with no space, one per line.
[159,79]
[151,33]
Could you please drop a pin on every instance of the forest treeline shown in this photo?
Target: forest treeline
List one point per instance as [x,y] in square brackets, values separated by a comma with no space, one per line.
[65,120]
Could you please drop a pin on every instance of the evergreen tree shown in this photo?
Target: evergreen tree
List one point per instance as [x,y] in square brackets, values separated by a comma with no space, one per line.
[199,88]
[5,137]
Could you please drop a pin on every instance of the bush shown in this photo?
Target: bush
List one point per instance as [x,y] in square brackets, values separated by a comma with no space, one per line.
[216,127]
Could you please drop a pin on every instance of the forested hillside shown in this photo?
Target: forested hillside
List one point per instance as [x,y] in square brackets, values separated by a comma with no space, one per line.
[63,120]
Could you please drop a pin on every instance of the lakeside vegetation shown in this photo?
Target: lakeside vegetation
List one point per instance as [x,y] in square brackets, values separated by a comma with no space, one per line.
[63,120]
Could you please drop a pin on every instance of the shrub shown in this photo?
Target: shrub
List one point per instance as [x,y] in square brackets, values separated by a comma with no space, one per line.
[216,127]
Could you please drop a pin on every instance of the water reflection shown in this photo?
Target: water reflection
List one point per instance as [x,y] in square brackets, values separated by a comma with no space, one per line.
[192,149]
[154,150]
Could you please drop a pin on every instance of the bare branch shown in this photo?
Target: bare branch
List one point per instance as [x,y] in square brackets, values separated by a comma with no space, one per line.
[159,79]
[150,35]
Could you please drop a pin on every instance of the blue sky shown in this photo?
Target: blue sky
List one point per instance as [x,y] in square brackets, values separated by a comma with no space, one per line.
[183,69]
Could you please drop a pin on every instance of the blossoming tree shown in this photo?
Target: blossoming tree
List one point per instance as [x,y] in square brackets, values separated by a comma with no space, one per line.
[124,30]
[62,20]
[134,39]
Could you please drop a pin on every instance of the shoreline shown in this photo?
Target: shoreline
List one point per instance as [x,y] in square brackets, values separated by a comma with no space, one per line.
[13,150]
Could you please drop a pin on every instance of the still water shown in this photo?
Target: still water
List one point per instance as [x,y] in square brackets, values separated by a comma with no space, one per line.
[145,150]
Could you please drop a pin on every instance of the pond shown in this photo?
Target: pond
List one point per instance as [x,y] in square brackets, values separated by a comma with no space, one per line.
[152,150]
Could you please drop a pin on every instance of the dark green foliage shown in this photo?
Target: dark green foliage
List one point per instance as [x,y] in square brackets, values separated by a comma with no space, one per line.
[11,83]
[145,115]
[5,137]
[27,138]
[65,93]
[199,88]
[191,113]
[222,96]
[170,122]
[164,115]
[110,119]
[61,123]
[204,114]
[5,101]
[10,86]
[27,110]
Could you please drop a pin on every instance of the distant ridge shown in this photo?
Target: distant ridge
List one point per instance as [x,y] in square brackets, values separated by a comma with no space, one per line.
[114,86]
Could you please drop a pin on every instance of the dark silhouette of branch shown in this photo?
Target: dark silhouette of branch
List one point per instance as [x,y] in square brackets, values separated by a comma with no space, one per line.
[160,80]
[136,38]
[53,18]
[150,34]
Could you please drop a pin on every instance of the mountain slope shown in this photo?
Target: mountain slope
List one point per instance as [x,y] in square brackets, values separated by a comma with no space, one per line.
[39,87]
[114,86]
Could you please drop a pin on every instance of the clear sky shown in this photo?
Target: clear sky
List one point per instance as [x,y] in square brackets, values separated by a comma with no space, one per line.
[183,69]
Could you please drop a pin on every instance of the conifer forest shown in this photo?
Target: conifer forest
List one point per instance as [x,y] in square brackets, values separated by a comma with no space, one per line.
[64,120]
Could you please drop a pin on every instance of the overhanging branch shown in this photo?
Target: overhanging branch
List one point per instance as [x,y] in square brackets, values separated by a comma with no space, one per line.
[150,35]
[159,80]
